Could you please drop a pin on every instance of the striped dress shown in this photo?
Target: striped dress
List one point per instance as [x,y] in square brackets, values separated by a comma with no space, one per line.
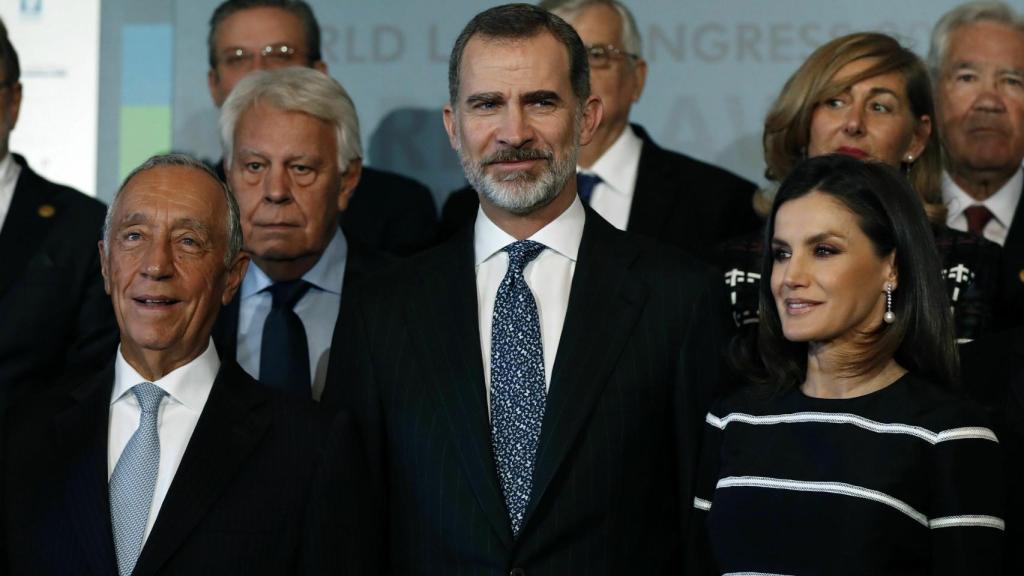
[905,480]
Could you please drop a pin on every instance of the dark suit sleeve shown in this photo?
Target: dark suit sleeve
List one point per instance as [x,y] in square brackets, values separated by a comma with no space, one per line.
[700,370]
[357,394]
[95,334]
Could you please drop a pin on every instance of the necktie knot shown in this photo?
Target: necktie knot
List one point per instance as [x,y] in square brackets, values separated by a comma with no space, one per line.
[287,294]
[521,253]
[149,396]
[978,216]
[585,183]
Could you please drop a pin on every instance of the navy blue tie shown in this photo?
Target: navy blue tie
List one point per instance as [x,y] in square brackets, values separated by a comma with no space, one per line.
[517,381]
[585,183]
[284,352]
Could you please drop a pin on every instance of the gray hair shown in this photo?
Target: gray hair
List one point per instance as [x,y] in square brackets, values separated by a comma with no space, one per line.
[294,89]
[570,10]
[965,15]
[234,226]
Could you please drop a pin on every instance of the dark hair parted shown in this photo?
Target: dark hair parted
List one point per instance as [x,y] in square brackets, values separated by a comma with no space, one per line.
[8,59]
[519,22]
[787,128]
[891,216]
[299,8]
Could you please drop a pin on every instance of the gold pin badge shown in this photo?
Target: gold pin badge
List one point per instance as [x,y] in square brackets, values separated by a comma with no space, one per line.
[1021,275]
[47,211]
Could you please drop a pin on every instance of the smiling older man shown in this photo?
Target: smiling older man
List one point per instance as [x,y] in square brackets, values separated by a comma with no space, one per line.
[170,461]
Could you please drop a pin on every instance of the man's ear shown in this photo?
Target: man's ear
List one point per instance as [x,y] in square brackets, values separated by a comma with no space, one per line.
[104,267]
[235,274]
[593,111]
[320,66]
[349,181]
[449,126]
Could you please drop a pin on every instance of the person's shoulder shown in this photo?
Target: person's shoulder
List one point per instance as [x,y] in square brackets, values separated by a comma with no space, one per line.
[290,410]
[66,201]
[722,179]
[384,180]
[937,408]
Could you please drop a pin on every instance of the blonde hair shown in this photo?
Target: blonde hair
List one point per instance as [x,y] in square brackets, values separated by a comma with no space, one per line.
[787,128]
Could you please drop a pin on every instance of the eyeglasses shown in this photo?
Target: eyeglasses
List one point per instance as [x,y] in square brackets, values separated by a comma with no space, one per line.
[273,55]
[602,56]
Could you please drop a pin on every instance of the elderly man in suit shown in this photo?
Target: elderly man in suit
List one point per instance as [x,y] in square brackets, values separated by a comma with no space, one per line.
[529,394]
[293,157]
[977,62]
[170,461]
[387,211]
[56,319]
[623,174]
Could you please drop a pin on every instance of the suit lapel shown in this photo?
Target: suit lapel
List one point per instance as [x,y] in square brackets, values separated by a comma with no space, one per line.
[447,304]
[604,304]
[1013,250]
[652,199]
[27,225]
[82,436]
[225,330]
[233,423]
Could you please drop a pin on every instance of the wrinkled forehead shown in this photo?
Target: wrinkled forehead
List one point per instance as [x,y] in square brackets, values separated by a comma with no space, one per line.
[169,194]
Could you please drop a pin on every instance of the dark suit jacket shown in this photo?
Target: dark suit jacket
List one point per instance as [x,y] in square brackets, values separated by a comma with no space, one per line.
[612,484]
[388,212]
[361,261]
[235,505]
[56,317]
[1011,302]
[678,200]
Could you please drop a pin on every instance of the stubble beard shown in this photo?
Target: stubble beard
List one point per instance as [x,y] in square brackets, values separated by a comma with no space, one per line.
[520,192]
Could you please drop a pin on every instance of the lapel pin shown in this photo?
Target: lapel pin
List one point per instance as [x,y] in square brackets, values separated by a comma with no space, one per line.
[47,211]
[1021,275]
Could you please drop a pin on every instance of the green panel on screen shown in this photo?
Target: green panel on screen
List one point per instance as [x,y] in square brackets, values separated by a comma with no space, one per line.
[145,131]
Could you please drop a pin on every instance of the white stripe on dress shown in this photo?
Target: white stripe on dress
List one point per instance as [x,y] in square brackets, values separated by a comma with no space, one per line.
[965,433]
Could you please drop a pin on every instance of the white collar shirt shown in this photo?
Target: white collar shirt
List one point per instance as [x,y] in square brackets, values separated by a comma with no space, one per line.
[187,387]
[549,277]
[618,167]
[1002,204]
[318,310]
[9,172]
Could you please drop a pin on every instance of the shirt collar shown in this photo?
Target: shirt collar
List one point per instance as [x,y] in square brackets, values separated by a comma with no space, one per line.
[326,275]
[189,384]
[1002,204]
[563,234]
[617,166]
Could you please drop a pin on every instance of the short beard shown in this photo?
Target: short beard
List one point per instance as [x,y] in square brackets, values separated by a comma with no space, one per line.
[517,192]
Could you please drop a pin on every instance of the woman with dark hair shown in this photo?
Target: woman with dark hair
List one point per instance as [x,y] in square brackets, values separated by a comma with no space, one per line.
[848,454]
[867,96]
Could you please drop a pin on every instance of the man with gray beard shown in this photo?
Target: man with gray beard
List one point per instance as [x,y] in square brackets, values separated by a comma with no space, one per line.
[530,393]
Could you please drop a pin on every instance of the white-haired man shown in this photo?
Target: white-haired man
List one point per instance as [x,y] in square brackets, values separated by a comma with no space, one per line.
[293,158]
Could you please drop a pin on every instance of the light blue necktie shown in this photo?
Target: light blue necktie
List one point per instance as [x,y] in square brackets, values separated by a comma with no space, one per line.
[131,485]
[517,381]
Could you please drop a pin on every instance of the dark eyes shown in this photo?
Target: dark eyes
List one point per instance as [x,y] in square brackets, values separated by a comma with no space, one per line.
[821,251]
[780,254]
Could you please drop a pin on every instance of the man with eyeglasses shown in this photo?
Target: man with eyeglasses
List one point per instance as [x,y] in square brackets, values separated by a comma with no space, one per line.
[56,320]
[627,178]
[388,212]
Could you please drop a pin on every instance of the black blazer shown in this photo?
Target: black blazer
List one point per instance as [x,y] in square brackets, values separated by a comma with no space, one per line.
[612,485]
[235,505]
[56,317]
[1011,302]
[678,199]
[360,262]
[387,211]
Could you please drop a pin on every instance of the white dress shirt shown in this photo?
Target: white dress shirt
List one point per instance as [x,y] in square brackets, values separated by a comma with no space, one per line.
[617,167]
[9,172]
[318,310]
[549,277]
[188,388]
[1002,204]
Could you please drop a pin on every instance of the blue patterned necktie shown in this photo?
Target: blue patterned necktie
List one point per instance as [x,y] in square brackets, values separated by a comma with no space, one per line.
[284,349]
[585,183]
[134,478]
[517,381]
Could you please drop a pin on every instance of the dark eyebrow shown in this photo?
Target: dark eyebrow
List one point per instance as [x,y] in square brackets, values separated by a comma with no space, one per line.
[485,98]
[541,95]
[824,236]
[879,90]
